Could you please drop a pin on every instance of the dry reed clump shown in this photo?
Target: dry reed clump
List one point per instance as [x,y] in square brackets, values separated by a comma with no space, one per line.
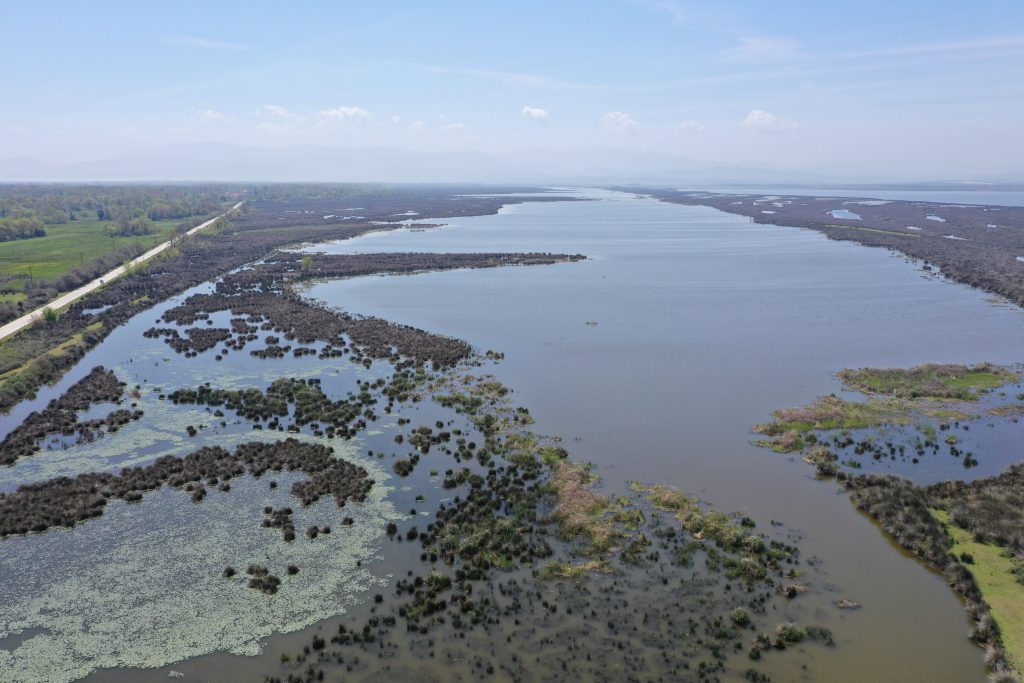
[702,523]
[788,633]
[561,569]
[823,459]
[579,512]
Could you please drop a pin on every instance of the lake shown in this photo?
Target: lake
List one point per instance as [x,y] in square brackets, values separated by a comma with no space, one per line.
[652,359]
[705,323]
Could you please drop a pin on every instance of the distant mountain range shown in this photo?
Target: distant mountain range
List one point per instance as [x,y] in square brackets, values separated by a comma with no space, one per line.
[226,162]
[309,163]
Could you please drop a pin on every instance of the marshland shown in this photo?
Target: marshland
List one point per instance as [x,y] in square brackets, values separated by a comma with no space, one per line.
[364,449]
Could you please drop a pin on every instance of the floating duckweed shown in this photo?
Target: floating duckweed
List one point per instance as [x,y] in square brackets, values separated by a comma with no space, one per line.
[153,568]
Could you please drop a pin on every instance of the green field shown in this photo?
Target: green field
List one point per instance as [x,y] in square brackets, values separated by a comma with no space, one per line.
[68,245]
[999,587]
[932,380]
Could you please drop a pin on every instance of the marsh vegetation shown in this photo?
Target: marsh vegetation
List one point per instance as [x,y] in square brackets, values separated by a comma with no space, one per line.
[61,417]
[950,525]
[469,545]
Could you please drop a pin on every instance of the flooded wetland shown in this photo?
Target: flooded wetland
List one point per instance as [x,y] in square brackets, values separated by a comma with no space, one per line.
[543,440]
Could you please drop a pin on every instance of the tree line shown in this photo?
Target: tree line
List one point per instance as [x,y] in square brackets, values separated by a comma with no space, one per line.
[26,210]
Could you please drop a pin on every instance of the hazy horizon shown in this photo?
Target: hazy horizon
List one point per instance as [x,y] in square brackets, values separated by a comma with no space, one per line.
[912,92]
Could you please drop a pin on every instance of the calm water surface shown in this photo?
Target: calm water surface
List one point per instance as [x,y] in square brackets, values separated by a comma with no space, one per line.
[705,322]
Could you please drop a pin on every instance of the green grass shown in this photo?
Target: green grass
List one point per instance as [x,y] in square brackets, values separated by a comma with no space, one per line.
[932,380]
[68,245]
[830,413]
[896,396]
[999,587]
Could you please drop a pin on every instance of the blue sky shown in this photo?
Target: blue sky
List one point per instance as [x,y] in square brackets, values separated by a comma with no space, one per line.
[907,85]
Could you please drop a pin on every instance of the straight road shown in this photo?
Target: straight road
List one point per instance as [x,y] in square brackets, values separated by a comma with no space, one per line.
[74,295]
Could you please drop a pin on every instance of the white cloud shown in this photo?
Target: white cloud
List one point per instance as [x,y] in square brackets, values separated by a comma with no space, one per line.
[211,116]
[204,43]
[396,119]
[763,49]
[766,122]
[279,112]
[536,114]
[344,115]
[418,127]
[691,126]
[618,120]
[457,128]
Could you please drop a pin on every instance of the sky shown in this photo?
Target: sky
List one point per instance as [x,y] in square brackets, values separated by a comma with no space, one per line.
[921,89]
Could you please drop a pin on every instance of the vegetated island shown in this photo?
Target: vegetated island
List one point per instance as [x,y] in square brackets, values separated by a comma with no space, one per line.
[981,246]
[972,532]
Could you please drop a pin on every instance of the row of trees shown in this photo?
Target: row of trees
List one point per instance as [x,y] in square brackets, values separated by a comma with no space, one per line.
[54,204]
[130,224]
[21,228]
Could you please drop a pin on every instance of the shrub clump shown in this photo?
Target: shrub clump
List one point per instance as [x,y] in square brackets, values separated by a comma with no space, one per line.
[61,416]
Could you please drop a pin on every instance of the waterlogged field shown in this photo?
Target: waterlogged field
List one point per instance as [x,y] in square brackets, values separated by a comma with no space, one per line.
[141,586]
[486,544]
